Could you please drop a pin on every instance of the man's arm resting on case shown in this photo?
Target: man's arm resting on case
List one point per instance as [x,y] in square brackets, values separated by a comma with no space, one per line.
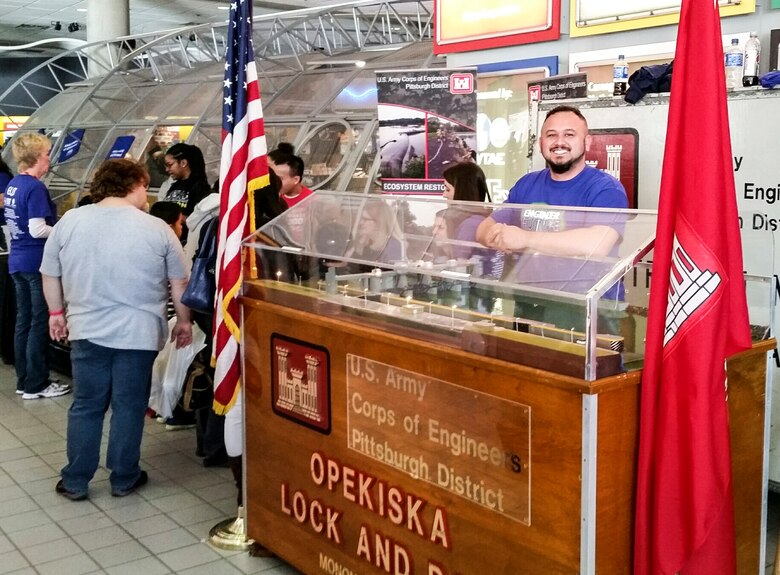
[590,241]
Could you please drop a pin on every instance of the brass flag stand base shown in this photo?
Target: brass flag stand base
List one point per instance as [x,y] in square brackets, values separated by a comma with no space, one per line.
[230,534]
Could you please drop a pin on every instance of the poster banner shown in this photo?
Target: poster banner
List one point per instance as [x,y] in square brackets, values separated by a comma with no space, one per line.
[72,145]
[502,129]
[121,147]
[616,151]
[427,122]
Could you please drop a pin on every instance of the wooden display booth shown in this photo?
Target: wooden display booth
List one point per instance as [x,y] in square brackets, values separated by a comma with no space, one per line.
[369,452]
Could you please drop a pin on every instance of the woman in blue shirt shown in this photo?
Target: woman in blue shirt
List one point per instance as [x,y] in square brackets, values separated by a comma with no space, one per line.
[30,215]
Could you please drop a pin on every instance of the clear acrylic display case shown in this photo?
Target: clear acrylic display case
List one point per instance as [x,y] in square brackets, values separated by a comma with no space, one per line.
[576,305]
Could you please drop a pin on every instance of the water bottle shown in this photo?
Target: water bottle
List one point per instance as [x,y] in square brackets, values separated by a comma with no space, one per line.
[751,61]
[733,59]
[620,76]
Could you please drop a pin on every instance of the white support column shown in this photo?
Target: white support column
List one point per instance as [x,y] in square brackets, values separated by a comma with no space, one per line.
[106,21]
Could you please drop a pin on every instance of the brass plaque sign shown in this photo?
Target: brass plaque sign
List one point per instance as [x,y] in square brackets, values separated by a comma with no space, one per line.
[469,443]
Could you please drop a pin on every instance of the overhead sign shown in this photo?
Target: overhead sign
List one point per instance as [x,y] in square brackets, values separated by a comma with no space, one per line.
[462,25]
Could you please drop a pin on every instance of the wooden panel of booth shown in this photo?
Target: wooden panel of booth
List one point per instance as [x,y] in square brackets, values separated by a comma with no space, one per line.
[369,452]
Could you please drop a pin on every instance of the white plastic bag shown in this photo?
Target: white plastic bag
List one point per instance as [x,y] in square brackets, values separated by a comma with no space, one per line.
[170,370]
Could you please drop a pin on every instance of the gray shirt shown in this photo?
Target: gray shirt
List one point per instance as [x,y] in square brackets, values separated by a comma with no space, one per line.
[114,264]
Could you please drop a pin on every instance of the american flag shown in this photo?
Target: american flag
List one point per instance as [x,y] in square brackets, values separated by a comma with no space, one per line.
[243,169]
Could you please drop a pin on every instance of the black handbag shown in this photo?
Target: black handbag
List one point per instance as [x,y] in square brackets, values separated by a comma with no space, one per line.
[202,287]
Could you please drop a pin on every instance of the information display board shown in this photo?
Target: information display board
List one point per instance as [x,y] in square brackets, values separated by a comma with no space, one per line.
[590,17]
[462,25]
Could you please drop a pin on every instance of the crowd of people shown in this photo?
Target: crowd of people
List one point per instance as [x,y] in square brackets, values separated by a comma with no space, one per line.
[77,280]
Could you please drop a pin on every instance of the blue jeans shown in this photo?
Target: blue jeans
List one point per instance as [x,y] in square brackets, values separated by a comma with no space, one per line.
[103,377]
[31,336]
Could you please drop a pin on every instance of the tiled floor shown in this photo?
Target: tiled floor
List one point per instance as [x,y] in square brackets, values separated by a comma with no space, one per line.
[772,523]
[159,530]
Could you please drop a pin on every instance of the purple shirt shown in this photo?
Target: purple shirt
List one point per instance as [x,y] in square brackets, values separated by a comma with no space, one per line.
[5,177]
[25,198]
[591,188]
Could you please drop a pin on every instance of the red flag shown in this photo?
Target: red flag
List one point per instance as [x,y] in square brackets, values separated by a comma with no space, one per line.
[697,318]
[243,169]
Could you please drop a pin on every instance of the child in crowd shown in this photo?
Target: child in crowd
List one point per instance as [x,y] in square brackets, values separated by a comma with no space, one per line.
[171,213]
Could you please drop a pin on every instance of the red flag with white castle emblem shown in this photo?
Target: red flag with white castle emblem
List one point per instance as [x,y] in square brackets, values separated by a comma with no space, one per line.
[697,318]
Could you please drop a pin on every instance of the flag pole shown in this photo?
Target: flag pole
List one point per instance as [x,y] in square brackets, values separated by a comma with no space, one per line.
[243,170]
[230,534]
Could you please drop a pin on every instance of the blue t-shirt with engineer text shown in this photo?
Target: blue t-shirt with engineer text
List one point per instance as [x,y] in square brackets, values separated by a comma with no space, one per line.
[591,188]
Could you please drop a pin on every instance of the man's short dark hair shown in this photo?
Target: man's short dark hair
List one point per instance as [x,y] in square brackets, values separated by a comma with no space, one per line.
[565,108]
[169,212]
[284,154]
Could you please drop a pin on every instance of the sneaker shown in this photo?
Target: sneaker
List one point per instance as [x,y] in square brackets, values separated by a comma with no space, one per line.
[160,419]
[219,460]
[72,495]
[19,392]
[173,424]
[142,480]
[53,390]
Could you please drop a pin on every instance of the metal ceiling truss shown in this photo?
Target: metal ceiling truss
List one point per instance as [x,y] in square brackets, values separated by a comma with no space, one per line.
[281,42]
[327,31]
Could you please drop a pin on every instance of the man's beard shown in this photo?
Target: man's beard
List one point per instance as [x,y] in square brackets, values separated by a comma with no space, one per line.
[564,167]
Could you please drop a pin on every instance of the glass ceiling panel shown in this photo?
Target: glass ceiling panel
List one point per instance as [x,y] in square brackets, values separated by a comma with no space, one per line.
[191,108]
[359,94]
[165,98]
[76,168]
[110,103]
[214,107]
[307,93]
[58,110]
[417,52]
[276,133]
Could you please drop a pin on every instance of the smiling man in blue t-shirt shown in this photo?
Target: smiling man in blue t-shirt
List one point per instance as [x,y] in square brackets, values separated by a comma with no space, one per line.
[567,181]
[563,238]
